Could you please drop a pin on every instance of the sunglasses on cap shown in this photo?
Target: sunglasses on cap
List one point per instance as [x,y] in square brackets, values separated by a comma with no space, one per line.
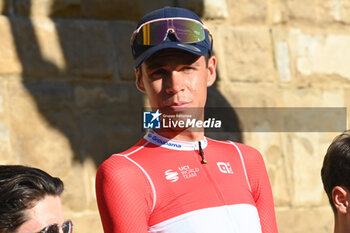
[67,227]
[156,31]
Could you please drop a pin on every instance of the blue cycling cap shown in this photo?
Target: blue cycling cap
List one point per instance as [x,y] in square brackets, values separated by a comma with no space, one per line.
[143,52]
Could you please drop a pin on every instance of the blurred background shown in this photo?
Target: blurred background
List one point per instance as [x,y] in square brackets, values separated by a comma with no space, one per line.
[68,99]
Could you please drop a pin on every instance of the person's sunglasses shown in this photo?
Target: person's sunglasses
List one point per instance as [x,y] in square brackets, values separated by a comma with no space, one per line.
[156,31]
[67,227]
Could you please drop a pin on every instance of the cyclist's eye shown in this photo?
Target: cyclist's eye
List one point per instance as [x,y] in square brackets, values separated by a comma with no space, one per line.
[159,73]
[188,68]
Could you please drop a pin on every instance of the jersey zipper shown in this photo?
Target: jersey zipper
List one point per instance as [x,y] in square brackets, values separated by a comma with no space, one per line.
[201,152]
[214,184]
[209,176]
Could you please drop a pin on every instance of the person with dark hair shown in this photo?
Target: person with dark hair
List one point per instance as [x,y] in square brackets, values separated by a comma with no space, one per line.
[335,175]
[30,201]
[176,180]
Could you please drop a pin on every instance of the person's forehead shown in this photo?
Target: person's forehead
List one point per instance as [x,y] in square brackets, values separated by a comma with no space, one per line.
[45,212]
[168,56]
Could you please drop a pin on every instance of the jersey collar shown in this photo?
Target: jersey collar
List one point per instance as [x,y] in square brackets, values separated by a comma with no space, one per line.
[159,140]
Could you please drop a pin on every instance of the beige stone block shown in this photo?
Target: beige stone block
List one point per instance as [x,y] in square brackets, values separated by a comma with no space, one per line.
[121,32]
[56,8]
[69,130]
[208,9]
[32,8]
[4,6]
[216,9]
[293,160]
[77,190]
[247,11]
[90,168]
[115,9]
[66,8]
[276,162]
[249,95]
[318,11]
[283,61]
[197,6]
[347,105]
[74,48]
[313,97]
[9,60]
[62,116]
[6,153]
[33,140]
[276,12]
[320,54]
[301,220]
[85,221]
[282,54]
[110,111]
[305,153]
[87,47]
[79,193]
[121,9]
[291,118]
[244,53]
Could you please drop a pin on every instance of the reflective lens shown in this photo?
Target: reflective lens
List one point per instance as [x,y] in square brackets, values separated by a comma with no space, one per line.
[67,227]
[152,33]
[52,229]
[155,32]
[188,31]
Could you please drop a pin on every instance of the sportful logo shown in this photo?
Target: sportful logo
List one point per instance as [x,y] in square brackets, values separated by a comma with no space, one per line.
[186,171]
[225,167]
[171,175]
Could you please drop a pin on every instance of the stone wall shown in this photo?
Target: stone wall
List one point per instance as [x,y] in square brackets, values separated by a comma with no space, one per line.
[68,100]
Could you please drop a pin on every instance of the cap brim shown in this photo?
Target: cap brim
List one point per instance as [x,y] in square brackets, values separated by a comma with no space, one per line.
[192,48]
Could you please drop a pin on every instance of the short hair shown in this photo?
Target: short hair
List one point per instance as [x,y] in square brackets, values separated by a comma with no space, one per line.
[336,166]
[20,188]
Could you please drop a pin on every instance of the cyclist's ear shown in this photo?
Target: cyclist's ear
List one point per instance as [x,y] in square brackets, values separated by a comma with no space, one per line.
[139,81]
[211,71]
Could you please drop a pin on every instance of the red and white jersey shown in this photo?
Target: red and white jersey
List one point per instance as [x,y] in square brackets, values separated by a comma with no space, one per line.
[161,186]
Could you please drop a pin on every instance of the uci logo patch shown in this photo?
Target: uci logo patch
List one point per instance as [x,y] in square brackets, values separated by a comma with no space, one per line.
[151,120]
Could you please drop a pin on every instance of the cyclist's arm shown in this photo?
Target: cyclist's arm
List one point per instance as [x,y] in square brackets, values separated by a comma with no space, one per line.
[261,188]
[123,197]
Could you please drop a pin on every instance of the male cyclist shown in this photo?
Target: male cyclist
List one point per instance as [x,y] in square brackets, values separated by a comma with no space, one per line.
[175,180]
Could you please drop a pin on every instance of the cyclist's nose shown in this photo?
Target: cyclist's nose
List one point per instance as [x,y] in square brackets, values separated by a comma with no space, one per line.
[175,83]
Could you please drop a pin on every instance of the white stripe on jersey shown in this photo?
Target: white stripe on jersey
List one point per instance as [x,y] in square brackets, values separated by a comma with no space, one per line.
[239,218]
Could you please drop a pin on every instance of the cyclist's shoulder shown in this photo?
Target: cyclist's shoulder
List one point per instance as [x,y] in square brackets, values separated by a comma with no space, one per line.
[229,144]
[243,149]
[121,162]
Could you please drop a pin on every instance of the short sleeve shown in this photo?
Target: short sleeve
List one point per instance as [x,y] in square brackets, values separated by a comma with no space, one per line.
[124,196]
[260,186]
